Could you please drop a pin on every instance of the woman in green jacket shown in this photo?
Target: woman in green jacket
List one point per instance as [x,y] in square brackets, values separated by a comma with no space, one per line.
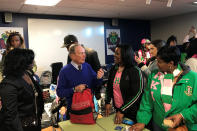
[171,94]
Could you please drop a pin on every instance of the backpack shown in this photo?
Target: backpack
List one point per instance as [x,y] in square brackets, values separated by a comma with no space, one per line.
[82,108]
[46,78]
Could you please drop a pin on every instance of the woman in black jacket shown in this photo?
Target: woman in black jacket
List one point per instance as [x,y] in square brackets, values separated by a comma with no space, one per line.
[21,96]
[125,85]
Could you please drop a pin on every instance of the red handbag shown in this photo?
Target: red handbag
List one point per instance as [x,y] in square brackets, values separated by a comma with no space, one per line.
[82,108]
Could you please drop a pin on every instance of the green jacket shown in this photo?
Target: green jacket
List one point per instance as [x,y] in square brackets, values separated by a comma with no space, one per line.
[184,100]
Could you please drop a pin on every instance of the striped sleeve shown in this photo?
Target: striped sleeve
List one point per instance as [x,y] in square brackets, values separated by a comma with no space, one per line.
[139,93]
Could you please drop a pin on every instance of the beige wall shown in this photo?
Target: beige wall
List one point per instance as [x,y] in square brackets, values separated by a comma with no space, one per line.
[176,25]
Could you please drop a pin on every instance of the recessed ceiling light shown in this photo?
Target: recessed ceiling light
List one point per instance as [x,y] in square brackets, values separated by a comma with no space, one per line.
[195,3]
[169,4]
[148,2]
[42,2]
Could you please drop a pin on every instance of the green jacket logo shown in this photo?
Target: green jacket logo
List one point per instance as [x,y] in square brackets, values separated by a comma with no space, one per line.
[188,91]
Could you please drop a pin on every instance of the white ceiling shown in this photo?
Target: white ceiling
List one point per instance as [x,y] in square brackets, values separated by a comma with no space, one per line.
[128,9]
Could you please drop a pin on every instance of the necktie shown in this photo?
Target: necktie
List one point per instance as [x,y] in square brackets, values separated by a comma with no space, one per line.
[79,67]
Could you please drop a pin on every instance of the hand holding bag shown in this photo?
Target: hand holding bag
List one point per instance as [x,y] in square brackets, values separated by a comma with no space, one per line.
[82,107]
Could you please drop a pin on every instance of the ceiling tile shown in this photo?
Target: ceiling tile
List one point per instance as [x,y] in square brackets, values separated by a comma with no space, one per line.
[130,9]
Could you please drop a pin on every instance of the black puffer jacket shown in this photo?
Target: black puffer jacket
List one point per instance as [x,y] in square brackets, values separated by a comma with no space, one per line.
[18,102]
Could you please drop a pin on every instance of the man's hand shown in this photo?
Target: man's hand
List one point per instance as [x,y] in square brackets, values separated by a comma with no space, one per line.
[118,118]
[63,110]
[100,73]
[137,127]
[80,88]
[107,109]
[176,119]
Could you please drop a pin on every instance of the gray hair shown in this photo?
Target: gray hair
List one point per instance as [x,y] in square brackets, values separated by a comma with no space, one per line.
[72,48]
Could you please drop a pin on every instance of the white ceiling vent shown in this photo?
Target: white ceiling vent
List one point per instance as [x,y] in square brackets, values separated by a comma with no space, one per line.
[169,2]
[161,1]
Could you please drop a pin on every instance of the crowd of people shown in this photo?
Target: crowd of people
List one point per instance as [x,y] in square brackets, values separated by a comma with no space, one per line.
[150,86]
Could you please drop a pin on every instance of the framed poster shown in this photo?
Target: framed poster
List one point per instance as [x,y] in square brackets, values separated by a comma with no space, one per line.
[112,39]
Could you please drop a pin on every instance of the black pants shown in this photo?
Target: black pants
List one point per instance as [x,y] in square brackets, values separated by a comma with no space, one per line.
[68,115]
